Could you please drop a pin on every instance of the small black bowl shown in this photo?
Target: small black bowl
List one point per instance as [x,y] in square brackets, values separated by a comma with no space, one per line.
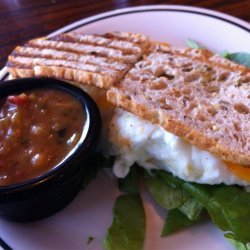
[45,195]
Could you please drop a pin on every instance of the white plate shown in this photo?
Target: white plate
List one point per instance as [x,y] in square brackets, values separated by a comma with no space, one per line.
[90,214]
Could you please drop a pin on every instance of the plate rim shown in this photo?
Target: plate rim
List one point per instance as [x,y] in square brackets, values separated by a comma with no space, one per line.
[147,8]
[154,8]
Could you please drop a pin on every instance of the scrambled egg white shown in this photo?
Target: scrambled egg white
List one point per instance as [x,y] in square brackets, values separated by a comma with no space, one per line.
[136,140]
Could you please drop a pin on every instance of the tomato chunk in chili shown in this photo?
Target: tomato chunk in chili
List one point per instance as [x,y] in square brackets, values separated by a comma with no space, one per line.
[38,129]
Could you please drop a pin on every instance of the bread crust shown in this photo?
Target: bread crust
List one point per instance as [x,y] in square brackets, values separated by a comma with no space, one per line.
[63,73]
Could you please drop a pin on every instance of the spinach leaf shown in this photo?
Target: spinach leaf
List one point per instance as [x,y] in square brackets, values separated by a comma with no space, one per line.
[237,244]
[170,179]
[225,54]
[228,206]
[128,227]
[129,184]
[167,196]
[240,57]
[175,221]
[169,193]
[194,45]
[186,204]
[191,208]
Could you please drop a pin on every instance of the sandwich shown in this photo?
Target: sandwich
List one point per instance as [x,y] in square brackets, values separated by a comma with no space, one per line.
[184,116]
[183,112]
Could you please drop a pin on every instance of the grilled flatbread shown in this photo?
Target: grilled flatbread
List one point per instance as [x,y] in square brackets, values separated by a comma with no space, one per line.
[99,60]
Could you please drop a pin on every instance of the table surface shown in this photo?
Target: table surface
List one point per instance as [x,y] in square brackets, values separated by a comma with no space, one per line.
[22,20]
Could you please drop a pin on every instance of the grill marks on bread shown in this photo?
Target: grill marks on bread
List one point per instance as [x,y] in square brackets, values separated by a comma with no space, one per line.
[69,57]
[194,94]
[88,59]
[127,47]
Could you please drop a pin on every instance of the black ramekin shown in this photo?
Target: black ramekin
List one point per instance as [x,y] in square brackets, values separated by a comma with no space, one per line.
[45,195]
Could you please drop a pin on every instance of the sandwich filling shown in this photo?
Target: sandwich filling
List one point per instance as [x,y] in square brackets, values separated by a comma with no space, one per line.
[135,140]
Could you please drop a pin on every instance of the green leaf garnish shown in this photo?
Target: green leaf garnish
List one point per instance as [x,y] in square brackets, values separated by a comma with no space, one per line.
[167,196]
[225,54]
[194,45]
[241,58]
[228,206]
[128,227]
[175,221]
[191,208]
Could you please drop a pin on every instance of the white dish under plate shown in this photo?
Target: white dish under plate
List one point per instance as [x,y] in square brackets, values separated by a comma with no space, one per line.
[90,214]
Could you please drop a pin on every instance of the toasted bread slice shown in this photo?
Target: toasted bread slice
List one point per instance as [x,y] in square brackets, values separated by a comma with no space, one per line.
[192,93]
[98,60]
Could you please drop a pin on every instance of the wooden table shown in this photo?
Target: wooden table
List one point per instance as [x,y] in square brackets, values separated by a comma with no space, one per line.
[25,19]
